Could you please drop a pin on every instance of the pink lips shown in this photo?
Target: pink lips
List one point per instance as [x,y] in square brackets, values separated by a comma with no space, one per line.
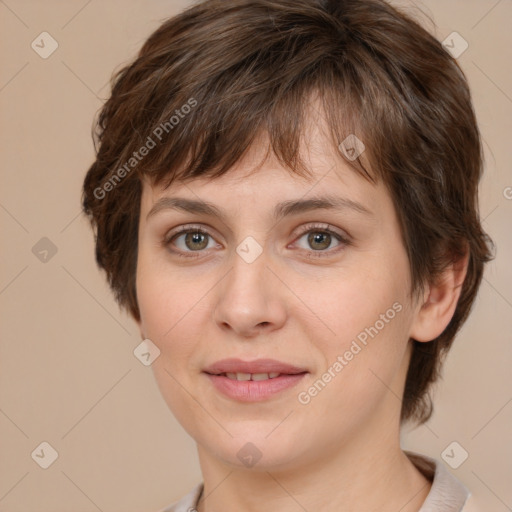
[249,390]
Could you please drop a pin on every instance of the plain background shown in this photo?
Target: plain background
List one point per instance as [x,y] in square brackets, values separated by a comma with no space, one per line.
[68,375]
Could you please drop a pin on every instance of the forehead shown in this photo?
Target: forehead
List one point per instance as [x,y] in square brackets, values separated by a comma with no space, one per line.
[271,184]
[260,200]
[259,178]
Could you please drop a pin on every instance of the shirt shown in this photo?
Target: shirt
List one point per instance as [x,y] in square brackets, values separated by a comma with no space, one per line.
[447,493]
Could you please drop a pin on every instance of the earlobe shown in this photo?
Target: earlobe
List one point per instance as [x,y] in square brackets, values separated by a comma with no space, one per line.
[440,301]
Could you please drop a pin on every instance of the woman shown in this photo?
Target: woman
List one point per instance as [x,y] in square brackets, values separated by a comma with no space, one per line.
[285,200]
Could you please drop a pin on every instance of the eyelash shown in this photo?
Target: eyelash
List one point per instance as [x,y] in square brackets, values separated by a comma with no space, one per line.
[319,228]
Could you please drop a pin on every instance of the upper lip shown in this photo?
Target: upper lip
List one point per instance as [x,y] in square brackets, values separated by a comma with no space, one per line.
[233,365]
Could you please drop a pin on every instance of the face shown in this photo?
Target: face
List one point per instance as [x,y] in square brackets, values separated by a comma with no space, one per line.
[326,290]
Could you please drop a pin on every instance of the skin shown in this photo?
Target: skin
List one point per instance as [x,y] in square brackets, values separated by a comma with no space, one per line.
[341,451]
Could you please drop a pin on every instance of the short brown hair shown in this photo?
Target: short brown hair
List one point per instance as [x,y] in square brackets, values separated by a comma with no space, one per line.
[246,67]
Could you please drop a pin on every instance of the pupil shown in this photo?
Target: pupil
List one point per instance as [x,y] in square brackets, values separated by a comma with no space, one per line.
[195,238]
[316,238]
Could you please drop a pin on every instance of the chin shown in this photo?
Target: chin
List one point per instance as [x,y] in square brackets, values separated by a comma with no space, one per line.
[257,452]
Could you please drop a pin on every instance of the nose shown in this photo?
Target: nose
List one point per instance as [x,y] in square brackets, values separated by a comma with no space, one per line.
[250,299]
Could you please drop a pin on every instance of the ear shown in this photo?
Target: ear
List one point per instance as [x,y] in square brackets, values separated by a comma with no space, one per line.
[439,302]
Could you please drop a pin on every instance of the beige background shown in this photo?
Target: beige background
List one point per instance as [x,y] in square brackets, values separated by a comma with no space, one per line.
[68,375]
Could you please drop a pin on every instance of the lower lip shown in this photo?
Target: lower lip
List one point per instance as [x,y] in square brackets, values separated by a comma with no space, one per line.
[254,390]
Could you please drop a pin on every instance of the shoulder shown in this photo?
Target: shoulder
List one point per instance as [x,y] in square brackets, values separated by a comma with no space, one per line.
[187,503]
[447,493]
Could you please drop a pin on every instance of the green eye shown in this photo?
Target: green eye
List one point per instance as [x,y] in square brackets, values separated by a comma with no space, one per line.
[190,240]
[319,240]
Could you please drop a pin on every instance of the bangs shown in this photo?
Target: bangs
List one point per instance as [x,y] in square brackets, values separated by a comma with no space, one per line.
[223,126]
[200,124]
[221,129]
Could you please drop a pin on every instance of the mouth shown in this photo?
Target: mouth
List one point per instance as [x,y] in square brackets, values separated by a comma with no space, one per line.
[253,381]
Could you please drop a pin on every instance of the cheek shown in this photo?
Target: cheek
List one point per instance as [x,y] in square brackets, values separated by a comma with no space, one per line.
[361,300]
[167,319]
[169,312]
[360,379]
[163,297]
[174,310]
[369,316]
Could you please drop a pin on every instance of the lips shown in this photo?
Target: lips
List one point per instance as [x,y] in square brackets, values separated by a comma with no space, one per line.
[253,381]
[258,368]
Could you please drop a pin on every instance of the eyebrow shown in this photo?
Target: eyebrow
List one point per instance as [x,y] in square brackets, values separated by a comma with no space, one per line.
[281,210]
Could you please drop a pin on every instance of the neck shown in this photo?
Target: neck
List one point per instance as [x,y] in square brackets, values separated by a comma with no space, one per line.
[370,473]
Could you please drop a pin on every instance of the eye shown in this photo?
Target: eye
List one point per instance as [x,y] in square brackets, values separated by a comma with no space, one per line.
[319,238]
[189,240]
